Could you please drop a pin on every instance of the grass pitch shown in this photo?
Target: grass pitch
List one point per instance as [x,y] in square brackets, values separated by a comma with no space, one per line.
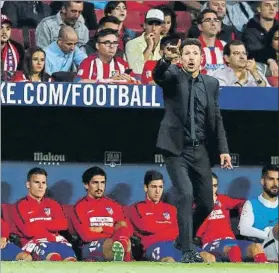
[133,267]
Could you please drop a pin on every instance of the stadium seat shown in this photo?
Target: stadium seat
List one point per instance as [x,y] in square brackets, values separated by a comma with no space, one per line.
[273,81]
[17,35]
[184,22]
[99,14]
[31,34]
[134,21]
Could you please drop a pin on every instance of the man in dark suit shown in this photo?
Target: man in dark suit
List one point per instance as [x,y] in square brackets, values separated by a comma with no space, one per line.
[192,126]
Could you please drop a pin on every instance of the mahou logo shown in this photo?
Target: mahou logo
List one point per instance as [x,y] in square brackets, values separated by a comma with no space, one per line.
[49,158]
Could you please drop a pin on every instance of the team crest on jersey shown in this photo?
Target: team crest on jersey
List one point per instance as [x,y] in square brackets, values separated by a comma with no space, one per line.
[109,210]
[47,211]
[166,215]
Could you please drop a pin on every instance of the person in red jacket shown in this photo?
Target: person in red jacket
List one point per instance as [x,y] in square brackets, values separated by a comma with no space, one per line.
[100,222]
[39,219]
[217,236]
[155,222]
[10,251]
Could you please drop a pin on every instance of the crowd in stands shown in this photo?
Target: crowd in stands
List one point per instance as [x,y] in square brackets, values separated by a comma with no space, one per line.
[239,39]
[97,228]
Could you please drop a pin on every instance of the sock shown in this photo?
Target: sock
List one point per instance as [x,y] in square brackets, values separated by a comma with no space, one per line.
[235,254]
[120,235]
[260,258]
[55,257]
[127,257]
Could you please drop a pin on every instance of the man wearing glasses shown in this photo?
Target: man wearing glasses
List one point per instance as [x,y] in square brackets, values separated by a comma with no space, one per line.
[104,66]
[239,71]
[147,46]
[210,25]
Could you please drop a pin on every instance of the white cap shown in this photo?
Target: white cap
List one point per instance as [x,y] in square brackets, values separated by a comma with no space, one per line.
[155,15]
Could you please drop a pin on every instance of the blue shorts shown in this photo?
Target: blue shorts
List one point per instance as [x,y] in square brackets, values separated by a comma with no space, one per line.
[93,251]
[10,252]
[217,248]
[41,250]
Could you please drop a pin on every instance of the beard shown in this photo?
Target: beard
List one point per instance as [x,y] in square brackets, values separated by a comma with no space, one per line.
[269,192]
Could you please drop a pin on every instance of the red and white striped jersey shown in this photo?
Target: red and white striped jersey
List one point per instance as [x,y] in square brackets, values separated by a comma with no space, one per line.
[213,57]
[93,68]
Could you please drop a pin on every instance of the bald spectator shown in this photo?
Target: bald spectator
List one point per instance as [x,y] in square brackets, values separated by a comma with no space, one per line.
[209,25]
[70,15]
[147,46]
[227,33]
[239,71]
[64,55]
[258,27]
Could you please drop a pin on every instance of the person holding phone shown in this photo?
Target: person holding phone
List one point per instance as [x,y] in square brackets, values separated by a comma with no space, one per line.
[191,133]
[104,66]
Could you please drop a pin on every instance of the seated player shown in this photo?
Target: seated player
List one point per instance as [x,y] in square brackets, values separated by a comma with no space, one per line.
[217,236]
[10,251]
[259,218]
[155,222]
[39,219]
[100,222]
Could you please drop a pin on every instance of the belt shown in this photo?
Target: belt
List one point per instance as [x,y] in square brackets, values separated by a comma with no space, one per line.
[195,143]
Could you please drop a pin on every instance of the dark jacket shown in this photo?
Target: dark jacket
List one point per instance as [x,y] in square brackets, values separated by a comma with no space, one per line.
[174,82]
[254,37]
[25,13]
[226,34]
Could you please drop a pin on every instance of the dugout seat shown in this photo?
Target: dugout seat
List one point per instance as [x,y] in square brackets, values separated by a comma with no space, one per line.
[7,216]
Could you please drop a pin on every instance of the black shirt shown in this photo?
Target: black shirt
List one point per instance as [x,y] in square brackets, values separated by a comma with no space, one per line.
[200,105]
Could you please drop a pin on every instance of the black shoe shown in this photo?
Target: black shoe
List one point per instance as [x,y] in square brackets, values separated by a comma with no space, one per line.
[191,256]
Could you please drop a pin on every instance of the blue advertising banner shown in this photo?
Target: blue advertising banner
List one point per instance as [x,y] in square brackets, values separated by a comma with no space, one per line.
[125,96]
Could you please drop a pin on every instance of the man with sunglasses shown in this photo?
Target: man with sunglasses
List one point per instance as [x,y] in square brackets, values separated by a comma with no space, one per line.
[147,46]
[104,66]
[217,236]
[210,25]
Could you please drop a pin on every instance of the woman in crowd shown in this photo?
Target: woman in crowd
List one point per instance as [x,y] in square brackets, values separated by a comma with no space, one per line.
[119,10]
[169,27]
[33,67]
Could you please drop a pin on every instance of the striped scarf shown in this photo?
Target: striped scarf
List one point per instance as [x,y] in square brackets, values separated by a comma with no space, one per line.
[10,57]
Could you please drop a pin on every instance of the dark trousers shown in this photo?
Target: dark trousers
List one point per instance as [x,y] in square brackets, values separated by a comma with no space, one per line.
[191,175]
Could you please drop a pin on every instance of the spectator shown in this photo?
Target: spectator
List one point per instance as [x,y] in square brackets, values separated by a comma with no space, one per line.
[12,53]
[259,217]
[209,25]
[106,22]
[147,46]
[119,10]
[104,66]
[227,33]
[146,77]
[48,29]
[238,14]
[88,12]
[258,27]
[64,55]
[33,67]
[169,25]
[26,13]
[239,70]
[272,54]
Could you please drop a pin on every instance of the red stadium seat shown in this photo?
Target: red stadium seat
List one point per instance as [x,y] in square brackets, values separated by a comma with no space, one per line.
[99,14]
[7,212]
[69,212]
[273,81]
[134,21]
[184,22]
[31,34]
[17,35]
